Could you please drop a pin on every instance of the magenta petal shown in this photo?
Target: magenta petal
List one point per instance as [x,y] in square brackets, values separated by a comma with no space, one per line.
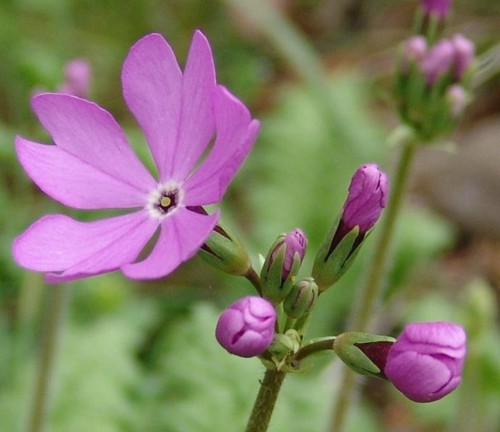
[181,236]
[236,134]
[91,134]
[57,243]
[421,378]
[197,124]
[152,87]
[74,182]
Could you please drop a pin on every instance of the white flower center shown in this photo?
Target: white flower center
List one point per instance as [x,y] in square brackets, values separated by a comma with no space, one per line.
[165,199]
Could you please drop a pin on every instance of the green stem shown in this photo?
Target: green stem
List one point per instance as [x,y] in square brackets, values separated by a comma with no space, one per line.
[265,401]
[369,293]
[51,332]
[252,276]
[316,345]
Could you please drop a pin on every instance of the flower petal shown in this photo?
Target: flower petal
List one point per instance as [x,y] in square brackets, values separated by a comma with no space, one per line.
[91,134]
[421,378]
[152,88]
[197,125]
[236,133]
[181,236]
[57,243]
[73,181]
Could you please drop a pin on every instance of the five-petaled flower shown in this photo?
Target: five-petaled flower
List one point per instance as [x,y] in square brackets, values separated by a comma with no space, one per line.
[92,166]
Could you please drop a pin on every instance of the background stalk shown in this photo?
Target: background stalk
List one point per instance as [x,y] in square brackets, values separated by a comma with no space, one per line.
[370,291]
[51,332]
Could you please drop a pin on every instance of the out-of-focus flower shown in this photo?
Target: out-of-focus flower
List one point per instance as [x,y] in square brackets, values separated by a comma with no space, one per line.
[77,75]
[438,61]
[246,328]
[365,201]
[92,166]
[414,50]
[282,264]
[464,54]
[436,7]
[425,363]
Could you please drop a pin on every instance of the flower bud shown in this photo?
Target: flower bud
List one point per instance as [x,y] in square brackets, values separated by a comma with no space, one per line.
[246,328]
[425,363]
[366,198]
[439,8]
[438,61]
[225,251]
[301,298]
[414,50]
[365,353]
[282,265]
[77,76]
[464,54]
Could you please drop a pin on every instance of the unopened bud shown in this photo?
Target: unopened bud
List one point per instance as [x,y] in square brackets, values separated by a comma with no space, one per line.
[414,51]
[425,363]
[464,54]
[439,8]
[364,353]
[366,198]
[301,298]
[225,251]
[77,76]
[246,328]
[438,61]
[282,265]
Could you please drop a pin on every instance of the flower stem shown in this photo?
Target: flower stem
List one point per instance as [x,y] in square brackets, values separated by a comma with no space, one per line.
[265,401]
[52,327]
[315,346]
[369,292]
[252,276]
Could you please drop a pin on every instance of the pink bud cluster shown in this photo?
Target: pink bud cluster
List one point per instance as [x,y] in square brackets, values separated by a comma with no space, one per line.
[448,56]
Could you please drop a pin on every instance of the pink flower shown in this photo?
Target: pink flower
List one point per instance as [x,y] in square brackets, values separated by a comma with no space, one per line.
[92,166]
[246,328]
[425,363]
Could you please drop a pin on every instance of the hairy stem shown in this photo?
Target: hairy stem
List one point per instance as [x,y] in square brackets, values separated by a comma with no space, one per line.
[369,292]
[265,401]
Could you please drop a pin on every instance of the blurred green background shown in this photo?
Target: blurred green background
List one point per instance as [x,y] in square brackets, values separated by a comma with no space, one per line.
[137,356]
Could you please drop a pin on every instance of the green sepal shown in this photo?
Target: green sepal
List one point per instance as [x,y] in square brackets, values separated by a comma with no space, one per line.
[352,349]
[301,299]
[224,251]
[330,266]
[283,346]
[273,287]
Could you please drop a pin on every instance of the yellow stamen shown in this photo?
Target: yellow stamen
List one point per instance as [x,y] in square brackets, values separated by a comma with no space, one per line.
[165,201]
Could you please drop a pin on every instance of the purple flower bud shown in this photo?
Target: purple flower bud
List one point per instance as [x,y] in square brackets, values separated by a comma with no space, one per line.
[425,363]
[246,328]
[366,198]
[464,54]
[294,242]
[438,60]
[436,7]
[414,51]
[77,75]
